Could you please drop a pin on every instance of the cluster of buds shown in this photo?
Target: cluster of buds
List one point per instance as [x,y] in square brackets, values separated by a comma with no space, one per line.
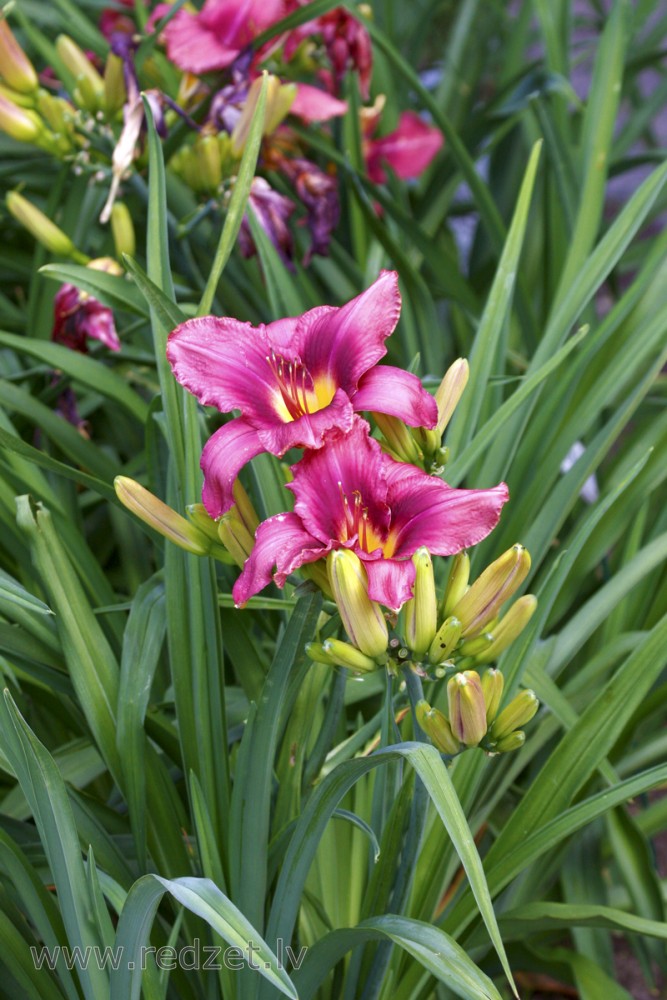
[464,629]
[474,719]
[229,540]
[422,446]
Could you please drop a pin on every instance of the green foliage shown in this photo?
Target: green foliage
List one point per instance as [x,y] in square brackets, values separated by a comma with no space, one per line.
[172,768]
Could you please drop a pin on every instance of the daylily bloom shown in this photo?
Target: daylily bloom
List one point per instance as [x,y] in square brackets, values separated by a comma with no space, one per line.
[211,39]
[351,495]
[408,150]
[294,380]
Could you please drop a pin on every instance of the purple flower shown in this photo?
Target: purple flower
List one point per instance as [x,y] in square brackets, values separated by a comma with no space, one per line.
[351,495]
[77,316]
[318,193]
[272,211]
[294,380]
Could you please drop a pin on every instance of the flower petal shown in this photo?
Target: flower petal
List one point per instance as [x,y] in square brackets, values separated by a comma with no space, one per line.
[390,581]
[426,511]
[280,541]
[349,465]
[314,105]
[344,343]
[194,48]
[308,431]
[223,363]
[224,455]
[408,150]
[386,389]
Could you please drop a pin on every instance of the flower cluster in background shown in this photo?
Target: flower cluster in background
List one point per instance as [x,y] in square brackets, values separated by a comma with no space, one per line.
[199,71]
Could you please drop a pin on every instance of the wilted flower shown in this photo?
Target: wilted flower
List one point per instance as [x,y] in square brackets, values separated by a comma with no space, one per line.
[272,211]
[78,316]
[293,380]
[318,192]
[351,495]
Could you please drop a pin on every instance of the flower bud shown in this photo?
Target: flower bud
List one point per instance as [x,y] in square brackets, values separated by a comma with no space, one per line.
[362,618]
[482,602]
[279,99]
[493,683]
[115,93]
[509,627]
[421,612]
[316,571]
[122,229]
[209,161]
[316,652]
[89,93]
[514,741]
[200,517]
[476,646]
[345,655]
[48,234]
[519,711]
[446,639]
[15,67]
[19,123]
[449,392]
[399,438]
[235,536]
[244,507]
[467,711]
[158,515]
[457,584]
[437,728]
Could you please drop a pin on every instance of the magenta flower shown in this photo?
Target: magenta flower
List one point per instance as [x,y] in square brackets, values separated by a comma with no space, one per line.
[408,150]
[78,316]
[294,381]
[272,211]
[351,495]
[212,38]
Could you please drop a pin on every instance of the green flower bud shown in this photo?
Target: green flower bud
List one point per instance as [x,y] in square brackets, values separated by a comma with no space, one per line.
[519,711]
[446,639]
[159,516]
[509,628]
[279,99]
[421,612]
[235,536]
[457,583]
[345,655]
[89,93]
[15,67]
[122,229]
[48,234]
[449,392]
[244,507]
[482,602]
[20,123]
[316,652]
[316,571]
[493,683]
[467,711]
[362,618]
[209,159]
[200,517]
[115,93]
[399,438]
[472,647]
[437,728]
[514,741]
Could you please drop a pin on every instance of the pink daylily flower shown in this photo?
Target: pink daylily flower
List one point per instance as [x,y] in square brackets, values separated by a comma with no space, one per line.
[351,495]
[294,380]
[314,105]
[408,150]
[211,39]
